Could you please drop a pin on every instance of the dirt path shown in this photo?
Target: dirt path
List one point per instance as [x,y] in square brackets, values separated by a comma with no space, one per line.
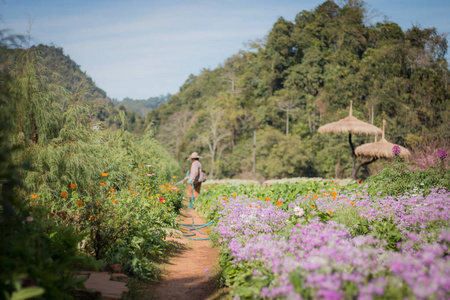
[192,273]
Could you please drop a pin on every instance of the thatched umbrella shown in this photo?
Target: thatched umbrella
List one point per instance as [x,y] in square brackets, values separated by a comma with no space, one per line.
[381,149]
[350,125]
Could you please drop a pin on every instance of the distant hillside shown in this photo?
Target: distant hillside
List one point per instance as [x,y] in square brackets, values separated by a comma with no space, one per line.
[72,78]
[68,74]
[59,70]
[142,107]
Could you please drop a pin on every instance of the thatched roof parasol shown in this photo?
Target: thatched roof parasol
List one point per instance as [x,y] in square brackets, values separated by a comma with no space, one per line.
[350,125]
[380,149]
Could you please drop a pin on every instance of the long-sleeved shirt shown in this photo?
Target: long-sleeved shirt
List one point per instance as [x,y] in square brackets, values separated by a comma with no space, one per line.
[195,169]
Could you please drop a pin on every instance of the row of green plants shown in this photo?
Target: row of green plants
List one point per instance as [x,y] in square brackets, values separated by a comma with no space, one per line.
[74,193]
[277,240]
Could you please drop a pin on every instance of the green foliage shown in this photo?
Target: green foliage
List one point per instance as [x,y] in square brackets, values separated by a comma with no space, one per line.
[396,179]
[319,62]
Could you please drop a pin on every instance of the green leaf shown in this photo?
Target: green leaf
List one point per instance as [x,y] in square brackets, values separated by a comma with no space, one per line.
[27,293]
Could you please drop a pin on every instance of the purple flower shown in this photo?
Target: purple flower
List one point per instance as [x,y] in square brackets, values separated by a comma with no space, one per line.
[396,150]
[95,128]
[442,154]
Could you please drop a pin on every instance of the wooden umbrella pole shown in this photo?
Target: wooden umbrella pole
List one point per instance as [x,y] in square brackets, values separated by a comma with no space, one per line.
[366,163]
[353,156]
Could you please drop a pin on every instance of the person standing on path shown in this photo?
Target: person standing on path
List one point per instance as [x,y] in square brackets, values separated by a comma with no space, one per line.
[194,174]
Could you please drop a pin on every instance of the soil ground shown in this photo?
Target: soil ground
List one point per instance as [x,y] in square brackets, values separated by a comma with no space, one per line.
[190,270]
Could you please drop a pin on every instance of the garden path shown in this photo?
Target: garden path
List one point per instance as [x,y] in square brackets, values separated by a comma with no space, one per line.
[192,273]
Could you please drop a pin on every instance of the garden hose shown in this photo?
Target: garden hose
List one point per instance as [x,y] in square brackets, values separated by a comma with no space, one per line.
[194,227]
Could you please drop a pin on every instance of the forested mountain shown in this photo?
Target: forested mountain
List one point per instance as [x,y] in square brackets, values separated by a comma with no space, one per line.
[64,76]
[301,76]
[142,107]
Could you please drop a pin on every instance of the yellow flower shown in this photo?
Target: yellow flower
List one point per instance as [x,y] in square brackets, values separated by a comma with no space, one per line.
[79,203]
[164,201]
[64,194]
[104,174]
[157,195]
[174,177]
[169,209]
[72,186]
[234,195]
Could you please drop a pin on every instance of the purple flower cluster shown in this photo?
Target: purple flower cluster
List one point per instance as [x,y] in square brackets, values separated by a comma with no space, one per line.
[326,262]
[396,150]
[442,154]
[246,217]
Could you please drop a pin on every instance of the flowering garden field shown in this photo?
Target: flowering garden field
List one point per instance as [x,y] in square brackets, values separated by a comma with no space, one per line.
[323,240]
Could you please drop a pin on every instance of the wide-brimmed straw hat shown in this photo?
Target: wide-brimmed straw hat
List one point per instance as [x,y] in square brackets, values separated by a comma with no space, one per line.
[194,155]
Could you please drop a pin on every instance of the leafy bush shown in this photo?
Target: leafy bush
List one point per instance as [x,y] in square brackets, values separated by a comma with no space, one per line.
[396,179]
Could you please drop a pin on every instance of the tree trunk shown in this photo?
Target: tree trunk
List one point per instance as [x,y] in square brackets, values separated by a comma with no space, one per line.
[309,123]
[35,128]
[287,122]
[337,167]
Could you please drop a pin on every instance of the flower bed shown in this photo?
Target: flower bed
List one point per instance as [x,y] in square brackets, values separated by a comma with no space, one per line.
[334,243]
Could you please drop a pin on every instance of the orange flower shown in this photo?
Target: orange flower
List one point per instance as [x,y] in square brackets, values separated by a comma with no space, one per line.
[79,203]
[98,203]
[251,206]
[104,174]
[72,186]
[267,199]
[330,212]
[279,203]
[352,203]
[234,195]
[312,206]
[259,206]
[207,231]
[102,183]
[115,201]
[224,198]
[387,207]
[33,197]
[64,194]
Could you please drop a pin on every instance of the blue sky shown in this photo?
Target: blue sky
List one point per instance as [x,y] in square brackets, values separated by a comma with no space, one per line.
[141,49]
